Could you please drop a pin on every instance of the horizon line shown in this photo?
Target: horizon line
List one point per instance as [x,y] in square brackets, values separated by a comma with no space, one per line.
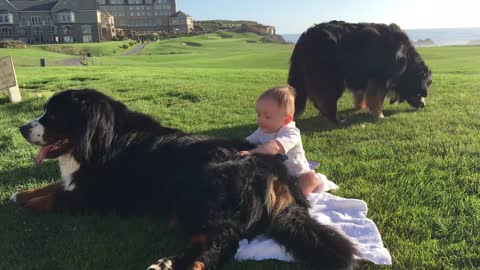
[406,29]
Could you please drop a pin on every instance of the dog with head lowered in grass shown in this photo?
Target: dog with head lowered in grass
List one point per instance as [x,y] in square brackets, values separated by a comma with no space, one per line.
[116,160]
[370,59]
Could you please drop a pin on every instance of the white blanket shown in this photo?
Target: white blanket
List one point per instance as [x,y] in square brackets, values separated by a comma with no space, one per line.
[347,215]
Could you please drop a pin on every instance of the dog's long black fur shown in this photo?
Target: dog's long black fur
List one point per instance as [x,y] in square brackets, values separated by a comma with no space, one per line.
[367,58]
[132,165]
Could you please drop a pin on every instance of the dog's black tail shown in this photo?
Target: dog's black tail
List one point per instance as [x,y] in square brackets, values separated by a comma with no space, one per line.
[319,246]
[296,79]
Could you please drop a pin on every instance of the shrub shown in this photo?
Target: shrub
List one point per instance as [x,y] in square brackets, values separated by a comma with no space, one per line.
[11,44]
[225,35]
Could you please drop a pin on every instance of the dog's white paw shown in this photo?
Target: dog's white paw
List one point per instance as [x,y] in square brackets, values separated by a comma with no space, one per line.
[13,198]
[162,264]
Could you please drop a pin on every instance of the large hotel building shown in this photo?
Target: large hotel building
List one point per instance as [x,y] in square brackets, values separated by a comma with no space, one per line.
[67,21]
[145,15]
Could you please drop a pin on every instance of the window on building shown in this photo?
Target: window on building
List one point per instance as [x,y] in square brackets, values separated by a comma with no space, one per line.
[67,29]
[49,20]
[6,31]
[101,2]
[117,2]
[21,31]
[36,20]
[53,30]
[148,1]
[68,39]
[6,18]
[87,38]
[23,20]
[64,17]
[37,31]
[86,29]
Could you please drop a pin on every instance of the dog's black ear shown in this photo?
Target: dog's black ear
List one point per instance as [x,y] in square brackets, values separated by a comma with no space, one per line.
[96,132]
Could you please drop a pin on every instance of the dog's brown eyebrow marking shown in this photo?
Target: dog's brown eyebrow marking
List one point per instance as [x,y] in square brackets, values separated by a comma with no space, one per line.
[198,266]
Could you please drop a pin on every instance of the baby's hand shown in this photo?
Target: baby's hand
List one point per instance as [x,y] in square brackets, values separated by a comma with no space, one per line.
[244,153]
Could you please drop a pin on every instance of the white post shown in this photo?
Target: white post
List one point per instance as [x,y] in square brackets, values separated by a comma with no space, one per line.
[8,82]
[14,94]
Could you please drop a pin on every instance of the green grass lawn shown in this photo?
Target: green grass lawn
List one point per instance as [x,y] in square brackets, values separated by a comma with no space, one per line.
[418,171]
[96,49]
[30,57]
[54,54]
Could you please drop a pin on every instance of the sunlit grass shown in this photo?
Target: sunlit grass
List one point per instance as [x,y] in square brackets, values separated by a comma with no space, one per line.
[417,170]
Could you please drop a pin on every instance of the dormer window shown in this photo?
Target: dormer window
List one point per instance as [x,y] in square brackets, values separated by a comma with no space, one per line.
[66,17]
[6,18]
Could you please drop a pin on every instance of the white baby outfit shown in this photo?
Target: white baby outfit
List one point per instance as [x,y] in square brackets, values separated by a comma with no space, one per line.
[289,137]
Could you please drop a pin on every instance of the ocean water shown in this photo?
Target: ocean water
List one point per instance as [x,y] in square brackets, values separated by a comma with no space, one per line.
[441,36]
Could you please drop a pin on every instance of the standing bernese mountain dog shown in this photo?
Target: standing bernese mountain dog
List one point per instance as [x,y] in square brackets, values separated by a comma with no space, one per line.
[116,160]
[368,58]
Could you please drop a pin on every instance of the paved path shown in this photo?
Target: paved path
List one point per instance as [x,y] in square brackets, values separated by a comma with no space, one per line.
[77,61]
[139,47]
[71,62]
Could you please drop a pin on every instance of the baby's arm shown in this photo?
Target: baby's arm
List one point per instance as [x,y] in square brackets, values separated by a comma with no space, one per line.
[272,147]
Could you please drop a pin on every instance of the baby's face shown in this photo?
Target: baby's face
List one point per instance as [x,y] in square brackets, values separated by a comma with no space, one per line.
[270,117]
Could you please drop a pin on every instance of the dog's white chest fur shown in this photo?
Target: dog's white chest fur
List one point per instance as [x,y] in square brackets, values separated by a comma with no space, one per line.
[68,165]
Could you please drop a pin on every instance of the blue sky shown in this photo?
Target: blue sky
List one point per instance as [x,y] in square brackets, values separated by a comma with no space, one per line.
[294,16]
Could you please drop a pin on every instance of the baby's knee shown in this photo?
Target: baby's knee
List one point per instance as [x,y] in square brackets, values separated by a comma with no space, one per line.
[311,177]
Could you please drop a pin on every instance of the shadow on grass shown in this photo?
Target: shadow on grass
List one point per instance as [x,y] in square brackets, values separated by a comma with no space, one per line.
[309,125]
[351,117]
[4,99]
[27,104]
[23,176]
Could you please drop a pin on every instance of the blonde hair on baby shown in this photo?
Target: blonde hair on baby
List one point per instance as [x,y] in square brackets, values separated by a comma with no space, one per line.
[284,96]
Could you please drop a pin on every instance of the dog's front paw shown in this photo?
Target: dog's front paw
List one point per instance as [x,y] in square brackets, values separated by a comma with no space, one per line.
[163,264]
[13,198]
[21,197]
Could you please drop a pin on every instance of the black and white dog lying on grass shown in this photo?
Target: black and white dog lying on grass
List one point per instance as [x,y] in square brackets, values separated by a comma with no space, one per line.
[116,160]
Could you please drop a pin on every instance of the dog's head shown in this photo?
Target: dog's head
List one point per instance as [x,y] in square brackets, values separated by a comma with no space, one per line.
[79,122]
[413,85]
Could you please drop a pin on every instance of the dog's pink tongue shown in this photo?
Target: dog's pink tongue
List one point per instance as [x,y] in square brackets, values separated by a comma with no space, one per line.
[42,153]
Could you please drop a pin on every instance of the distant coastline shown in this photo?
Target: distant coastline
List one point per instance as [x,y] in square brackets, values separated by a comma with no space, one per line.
[440,37]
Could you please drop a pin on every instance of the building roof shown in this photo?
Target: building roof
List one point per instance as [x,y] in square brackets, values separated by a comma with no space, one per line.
[180,13]
[37,5]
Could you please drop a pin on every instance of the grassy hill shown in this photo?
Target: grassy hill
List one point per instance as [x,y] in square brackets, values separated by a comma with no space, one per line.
[95,49]
[417,170]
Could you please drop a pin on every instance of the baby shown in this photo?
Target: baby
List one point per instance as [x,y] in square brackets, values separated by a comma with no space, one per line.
[277,134]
